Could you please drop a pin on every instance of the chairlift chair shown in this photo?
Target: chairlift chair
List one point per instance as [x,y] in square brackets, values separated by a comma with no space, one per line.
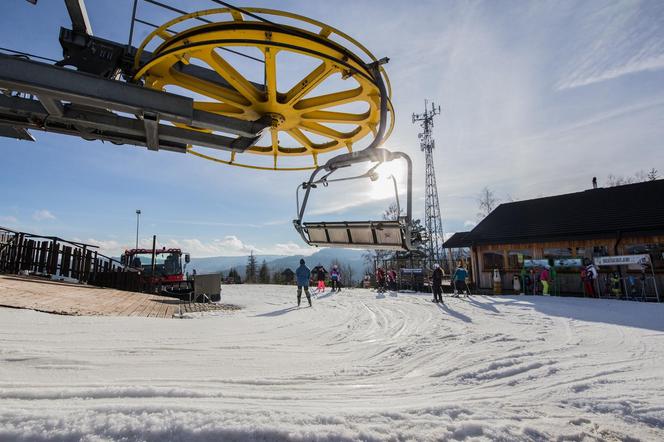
[379,235]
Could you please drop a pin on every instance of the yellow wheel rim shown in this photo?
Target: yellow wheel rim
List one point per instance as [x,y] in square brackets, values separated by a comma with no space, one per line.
[305,117]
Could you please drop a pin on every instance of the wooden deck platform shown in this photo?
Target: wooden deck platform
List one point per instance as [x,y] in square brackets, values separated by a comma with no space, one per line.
[83,300]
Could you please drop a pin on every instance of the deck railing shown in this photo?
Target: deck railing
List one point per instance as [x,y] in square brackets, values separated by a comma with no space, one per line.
[51,256]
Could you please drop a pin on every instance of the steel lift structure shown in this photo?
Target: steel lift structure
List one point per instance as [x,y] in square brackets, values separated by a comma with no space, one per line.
[110,91]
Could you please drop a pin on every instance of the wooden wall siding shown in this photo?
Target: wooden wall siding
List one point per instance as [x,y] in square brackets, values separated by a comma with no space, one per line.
[537,252]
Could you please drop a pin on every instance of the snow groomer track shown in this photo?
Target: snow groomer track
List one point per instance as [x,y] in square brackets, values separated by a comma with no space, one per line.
[353,367]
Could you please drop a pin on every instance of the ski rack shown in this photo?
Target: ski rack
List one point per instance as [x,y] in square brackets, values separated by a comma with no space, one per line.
[379,235]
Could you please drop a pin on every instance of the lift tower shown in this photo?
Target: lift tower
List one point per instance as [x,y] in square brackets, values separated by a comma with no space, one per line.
[434,226]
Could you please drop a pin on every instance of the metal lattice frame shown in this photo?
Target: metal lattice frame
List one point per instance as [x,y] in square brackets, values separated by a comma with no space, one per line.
[433,219]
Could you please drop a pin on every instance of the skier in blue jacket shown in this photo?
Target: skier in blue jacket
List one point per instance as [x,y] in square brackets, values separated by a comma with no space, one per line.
[303,274]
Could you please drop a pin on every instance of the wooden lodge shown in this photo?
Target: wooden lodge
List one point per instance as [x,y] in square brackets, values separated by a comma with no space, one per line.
[622,220]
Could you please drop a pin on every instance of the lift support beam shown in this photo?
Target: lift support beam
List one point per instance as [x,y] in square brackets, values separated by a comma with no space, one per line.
[82,104]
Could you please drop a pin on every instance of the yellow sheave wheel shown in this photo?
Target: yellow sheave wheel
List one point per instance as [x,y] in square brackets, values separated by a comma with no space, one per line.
[294,111]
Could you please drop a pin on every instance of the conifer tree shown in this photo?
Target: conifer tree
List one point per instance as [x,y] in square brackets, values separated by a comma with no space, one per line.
[251,270]
[264,273]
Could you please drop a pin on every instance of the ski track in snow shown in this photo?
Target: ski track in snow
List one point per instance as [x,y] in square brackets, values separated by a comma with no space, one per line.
[356,366]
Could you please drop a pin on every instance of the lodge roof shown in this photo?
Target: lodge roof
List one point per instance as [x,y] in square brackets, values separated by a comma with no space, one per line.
[457,240]
[593,213]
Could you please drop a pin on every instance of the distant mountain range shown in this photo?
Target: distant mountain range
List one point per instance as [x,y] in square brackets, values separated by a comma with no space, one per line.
[323,257]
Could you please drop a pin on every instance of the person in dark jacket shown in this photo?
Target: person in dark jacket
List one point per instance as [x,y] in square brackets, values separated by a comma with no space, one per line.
[303,274]
[320,273]
[335,278]
[380,280]
[392,280]
[437,283]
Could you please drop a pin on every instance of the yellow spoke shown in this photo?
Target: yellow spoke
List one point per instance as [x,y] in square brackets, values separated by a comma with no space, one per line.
[275,139]
[210,89]
[237,16]
[230,74]
[336,117]
[217,108]
[302,138]
[329,100]
[328,131]
[308,83]
[271,74]
[260,149]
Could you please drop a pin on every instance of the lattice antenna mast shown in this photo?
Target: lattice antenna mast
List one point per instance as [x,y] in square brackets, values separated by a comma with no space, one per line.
[433,220]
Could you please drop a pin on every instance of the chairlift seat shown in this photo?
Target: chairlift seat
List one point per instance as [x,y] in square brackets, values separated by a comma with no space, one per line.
[380,235]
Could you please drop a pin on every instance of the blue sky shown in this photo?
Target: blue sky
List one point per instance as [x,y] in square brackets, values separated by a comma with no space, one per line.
[537,97]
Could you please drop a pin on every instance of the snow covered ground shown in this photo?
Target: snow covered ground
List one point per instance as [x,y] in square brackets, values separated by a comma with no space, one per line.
[354,367]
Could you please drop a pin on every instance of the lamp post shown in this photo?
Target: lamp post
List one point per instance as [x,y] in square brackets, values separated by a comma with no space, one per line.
[138,216]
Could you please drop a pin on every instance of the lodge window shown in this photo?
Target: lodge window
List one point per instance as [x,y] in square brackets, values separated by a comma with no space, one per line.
[515,258]
[600,251]
[656,252]
[493,260]
[558,253]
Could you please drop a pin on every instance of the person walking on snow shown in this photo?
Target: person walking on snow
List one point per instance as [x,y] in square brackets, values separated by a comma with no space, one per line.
[589,275]
[303,274]
[544,279]
[335,277]
[320,277]
[459,280]
[392,280]
[615,284]
[437,283]
[380,279]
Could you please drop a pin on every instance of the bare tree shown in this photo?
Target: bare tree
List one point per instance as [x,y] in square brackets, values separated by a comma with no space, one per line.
[486,202]
[653,174]
[347,275]
[639,177]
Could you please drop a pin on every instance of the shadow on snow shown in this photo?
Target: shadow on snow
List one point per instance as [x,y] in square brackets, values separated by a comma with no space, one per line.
[645,315]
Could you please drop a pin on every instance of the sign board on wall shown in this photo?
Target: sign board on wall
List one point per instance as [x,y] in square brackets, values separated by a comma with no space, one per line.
[568,262]
[536,263]
[622,260]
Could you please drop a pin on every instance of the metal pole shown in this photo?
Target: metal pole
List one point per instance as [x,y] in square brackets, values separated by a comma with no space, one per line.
[138,215]
[396,193]
[154,254]
[131,27]
[654,279]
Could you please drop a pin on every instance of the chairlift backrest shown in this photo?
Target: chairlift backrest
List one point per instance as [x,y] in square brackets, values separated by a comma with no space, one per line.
[382,235]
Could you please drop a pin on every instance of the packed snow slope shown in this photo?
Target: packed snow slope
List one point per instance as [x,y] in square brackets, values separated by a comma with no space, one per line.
[356,366]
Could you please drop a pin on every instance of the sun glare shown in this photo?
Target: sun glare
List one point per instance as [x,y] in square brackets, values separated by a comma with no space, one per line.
[383,188]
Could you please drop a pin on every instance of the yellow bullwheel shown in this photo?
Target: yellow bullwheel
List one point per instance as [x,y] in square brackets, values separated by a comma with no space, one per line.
[307,117]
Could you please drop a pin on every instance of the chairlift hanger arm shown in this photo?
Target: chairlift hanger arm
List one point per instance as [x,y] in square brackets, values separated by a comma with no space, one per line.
[79,16]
